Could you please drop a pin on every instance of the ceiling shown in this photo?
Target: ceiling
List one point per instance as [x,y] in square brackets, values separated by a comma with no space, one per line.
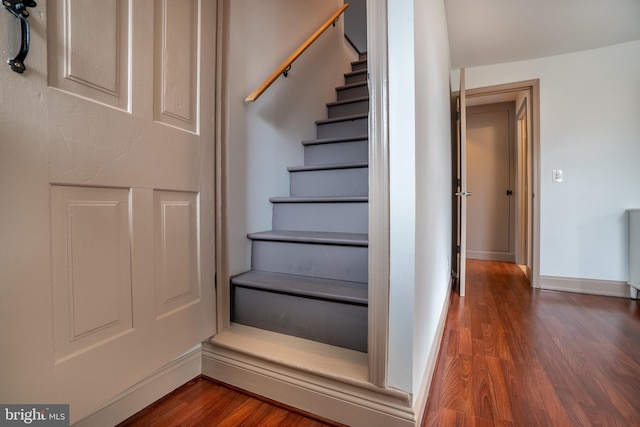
[483,32]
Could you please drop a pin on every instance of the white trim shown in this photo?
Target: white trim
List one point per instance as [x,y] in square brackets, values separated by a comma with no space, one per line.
[147,391]
[353,403]
[223,291]
[378,334]
[609,288]
[420,400]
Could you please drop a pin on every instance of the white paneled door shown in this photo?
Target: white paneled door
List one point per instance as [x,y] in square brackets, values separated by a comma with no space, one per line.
[461,188]
[107,196]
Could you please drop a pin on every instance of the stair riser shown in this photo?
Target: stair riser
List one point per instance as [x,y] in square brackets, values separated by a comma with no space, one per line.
[340,217]
[355,78]
[352,92]
[332,182]
[341,110]
[356,66]
[336,153]
[342,129]
[338,324]
[308,259]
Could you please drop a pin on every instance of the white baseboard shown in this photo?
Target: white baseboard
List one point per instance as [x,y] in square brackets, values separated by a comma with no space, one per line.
[425,387]
[609,288]
[279,376]
[141,395]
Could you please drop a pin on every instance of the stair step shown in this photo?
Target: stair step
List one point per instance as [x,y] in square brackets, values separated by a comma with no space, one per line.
[358,76]
[336,150]
[353,90]
[348,107]
[342,199]
[327,167]
[350,179]
[335,214]
[359,64]
[330,322]
[346,126]
[324,238]
[305,286]
[327,255]
[321,141]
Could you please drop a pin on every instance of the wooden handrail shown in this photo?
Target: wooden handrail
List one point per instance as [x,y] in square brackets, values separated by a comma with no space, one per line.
[286,64]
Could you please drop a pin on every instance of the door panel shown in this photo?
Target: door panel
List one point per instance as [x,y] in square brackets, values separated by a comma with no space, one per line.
[462,194]
[76,64]
[175,61]
[108,154]
[91,268]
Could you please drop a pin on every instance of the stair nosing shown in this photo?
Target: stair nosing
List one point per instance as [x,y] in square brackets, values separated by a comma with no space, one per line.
[321,199]
[317,237]
[301,290]
[342,119]
[332,166]
[348,101]
[334,140]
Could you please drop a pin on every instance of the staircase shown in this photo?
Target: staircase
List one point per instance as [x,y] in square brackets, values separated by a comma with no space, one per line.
[308,274]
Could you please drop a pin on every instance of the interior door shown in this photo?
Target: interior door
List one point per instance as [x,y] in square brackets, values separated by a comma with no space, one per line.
[461,193]
[107,189]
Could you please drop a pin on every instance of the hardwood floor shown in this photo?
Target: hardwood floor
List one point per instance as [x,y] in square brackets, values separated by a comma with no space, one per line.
[205,402]
[510,356]
[514,356]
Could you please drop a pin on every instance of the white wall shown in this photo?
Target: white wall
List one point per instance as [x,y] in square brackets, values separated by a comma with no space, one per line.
[420,186]
[589,128]
[263,138]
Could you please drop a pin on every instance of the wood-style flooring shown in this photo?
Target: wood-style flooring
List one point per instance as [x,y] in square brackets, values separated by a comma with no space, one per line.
[514,356]
[205,402]
[510,356]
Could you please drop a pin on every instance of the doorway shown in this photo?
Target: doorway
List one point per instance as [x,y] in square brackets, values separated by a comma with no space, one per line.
[491,173]
[525,96]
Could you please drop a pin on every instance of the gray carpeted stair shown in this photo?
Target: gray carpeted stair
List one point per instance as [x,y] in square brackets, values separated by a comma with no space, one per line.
[309,273]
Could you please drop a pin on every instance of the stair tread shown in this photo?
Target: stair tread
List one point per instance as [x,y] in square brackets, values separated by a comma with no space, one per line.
[328,167]
[320,199]
[356,72]
[342,119]
[348,101]
[352,85]
[314,287]
[334,140]
[326,237]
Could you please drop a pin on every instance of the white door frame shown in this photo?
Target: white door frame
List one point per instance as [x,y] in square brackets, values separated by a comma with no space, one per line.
[533,86]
